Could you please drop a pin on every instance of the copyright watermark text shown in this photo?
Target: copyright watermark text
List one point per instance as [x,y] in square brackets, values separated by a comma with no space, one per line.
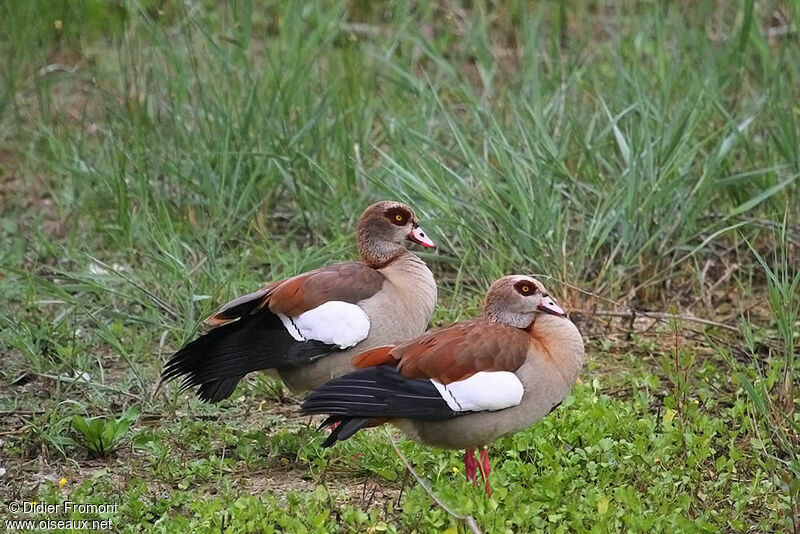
[28,508]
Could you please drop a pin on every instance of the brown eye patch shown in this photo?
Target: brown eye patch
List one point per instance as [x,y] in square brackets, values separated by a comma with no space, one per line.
[398,215]
[525,288]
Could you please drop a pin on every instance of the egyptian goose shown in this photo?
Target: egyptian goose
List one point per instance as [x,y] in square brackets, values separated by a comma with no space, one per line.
[467,384]
[309,326]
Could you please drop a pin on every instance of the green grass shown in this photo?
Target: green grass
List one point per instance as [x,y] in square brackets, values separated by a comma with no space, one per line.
[158,158]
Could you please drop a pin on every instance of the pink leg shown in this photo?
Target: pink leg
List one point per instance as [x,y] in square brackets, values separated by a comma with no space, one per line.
[334,426]
[471,466]
[486,469]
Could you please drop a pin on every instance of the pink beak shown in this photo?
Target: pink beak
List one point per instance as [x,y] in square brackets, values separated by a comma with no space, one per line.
[548,305]
[418,236]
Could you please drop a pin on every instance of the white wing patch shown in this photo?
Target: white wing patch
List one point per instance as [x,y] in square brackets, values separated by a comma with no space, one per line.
[334,322]
[486,390]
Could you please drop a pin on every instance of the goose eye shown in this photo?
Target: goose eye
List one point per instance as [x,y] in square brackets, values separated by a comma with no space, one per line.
[525,288]
[398,216]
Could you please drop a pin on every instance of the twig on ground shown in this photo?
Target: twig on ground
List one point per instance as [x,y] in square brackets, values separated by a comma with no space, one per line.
[14,432]
[468,520]
[402,488]
[157,301]
[659,316]
[364,29]
[79,380]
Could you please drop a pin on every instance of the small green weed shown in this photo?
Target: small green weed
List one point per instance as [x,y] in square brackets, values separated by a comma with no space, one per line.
[102,435]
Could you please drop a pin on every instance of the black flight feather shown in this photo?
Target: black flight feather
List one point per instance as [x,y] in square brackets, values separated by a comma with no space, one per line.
[356,398]
[217,360]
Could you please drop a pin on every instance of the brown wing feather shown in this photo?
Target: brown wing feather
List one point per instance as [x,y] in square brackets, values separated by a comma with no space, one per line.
[348,282]
[463,349]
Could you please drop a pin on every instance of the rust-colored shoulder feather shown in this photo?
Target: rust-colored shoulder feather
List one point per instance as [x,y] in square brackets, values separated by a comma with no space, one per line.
[463,349]
[374,357]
